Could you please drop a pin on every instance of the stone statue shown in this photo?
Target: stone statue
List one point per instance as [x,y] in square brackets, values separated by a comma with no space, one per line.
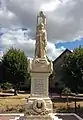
[41,37]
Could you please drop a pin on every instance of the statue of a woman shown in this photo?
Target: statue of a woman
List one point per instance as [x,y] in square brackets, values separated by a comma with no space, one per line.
[41,38]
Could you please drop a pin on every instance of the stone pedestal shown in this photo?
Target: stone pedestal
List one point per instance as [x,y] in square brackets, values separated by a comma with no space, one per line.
[38,108]
[39,105]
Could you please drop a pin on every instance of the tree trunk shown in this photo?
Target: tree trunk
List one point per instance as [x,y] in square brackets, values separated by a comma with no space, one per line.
[15,91]
[75,106]
[67,101]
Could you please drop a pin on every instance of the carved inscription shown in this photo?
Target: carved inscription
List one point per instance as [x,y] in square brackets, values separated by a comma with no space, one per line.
[39,87]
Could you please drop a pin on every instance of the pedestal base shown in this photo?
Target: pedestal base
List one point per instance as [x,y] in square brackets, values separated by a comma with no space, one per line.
[38,109]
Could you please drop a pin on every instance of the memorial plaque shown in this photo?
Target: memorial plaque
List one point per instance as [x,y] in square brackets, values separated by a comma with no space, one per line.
[39,87]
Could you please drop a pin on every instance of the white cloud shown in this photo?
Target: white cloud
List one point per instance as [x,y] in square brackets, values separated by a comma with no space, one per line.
[64,22]
[64,16]
[17,39]
[50,6]
[54,52]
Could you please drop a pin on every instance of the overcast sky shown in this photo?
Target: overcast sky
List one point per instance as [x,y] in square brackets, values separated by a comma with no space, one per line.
[64,24]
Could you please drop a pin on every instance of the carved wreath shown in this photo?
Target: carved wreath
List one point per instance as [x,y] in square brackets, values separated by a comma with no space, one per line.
[39,106]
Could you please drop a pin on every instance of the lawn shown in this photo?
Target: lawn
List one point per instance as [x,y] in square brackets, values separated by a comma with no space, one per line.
[13,104]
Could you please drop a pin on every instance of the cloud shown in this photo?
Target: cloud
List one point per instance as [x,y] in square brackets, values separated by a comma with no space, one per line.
[21,40]
[54,52]
[64,17]
[8,19]
[50,6]
[64,22]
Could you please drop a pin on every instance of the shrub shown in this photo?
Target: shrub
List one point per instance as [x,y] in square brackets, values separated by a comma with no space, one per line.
[6,86]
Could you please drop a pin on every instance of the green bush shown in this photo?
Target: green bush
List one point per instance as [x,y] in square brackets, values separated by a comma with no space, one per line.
[6,86]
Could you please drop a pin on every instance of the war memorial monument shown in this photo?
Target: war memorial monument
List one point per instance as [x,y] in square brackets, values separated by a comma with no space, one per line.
[38,105]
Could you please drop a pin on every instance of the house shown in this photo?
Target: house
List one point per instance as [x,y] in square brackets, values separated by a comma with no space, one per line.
[55,78]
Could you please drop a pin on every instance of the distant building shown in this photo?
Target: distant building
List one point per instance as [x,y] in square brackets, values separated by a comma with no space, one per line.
[57,63]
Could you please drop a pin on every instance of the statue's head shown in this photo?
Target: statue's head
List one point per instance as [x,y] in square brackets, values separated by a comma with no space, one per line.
[41,14]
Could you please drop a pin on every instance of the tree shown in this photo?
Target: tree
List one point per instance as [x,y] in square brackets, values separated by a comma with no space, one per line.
[73,70]
[15,64]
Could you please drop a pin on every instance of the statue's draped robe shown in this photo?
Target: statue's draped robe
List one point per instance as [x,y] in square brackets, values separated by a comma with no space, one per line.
[41,37]
[41,42]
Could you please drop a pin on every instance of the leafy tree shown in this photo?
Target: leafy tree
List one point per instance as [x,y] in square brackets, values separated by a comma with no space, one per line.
[73,70]
[15,64]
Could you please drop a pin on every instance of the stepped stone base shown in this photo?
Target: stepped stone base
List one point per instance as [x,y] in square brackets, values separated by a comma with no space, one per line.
[58,116]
